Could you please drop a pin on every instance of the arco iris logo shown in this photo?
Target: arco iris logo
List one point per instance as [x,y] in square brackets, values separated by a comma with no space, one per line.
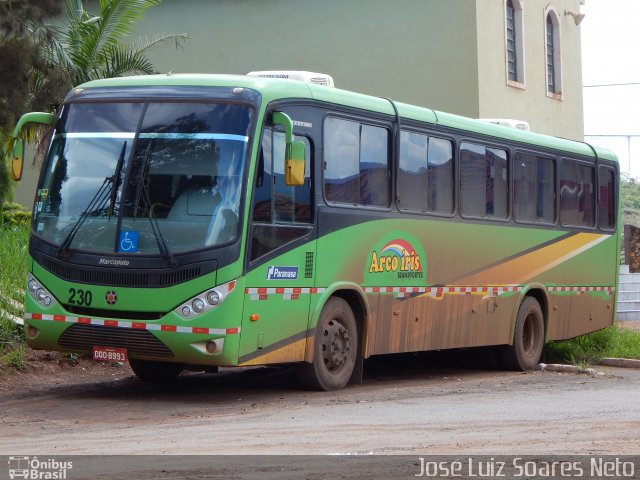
[399,257]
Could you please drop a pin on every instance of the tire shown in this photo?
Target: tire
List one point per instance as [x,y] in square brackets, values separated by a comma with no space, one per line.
[528,338]
[151,371]
[335,348]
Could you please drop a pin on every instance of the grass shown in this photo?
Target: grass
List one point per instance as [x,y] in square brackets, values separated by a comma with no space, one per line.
[590,349]
[13,268]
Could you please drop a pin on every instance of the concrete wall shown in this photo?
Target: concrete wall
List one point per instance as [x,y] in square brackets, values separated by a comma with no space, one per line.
[560,117]
[408,50]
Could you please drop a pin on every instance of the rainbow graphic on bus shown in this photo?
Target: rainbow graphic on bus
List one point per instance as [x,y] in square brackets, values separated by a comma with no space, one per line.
[399,256]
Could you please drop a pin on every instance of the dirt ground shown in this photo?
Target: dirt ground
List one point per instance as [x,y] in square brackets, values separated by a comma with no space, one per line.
[434,403]
[258,423]
[629,324]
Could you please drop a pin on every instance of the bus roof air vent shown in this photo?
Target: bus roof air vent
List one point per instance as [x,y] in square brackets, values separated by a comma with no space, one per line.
[301,76]
[508,122]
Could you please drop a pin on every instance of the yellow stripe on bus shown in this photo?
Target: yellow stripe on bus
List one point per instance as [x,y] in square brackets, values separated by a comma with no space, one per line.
[527,266]
[294,352]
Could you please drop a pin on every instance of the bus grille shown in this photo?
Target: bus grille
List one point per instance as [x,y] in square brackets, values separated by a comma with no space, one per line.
[308,265]
[142,342]
[118,277]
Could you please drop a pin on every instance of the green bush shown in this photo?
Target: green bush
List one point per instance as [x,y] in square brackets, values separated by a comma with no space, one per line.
[13,270]
[14,215]
[14,356]
[591,348]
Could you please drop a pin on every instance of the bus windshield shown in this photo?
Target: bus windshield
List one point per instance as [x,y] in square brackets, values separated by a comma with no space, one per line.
[140,178]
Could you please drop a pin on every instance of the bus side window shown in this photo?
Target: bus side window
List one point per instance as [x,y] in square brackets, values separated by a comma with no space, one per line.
[577,194]
[483,181]
[262,193]
[534,187]
[425,173]
[281,213]
[356,159]
[607,198]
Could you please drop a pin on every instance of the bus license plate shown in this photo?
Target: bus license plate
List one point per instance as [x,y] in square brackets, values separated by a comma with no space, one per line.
[109,354]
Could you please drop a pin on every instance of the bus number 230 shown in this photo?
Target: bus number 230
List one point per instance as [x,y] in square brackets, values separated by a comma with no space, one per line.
[80,297]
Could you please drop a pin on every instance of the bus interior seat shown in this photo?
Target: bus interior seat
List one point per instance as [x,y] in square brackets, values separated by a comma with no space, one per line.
[196,203]
[223,227]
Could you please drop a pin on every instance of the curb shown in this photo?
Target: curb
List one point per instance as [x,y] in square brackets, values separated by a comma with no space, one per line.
[558,367]
[620,362]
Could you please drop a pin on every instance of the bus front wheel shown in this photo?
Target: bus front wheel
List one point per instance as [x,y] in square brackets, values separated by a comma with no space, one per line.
[150,371]
[335,348]
[528,338]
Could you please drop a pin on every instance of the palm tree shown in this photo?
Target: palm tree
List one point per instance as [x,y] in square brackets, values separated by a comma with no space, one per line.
[84,48]
[88,47]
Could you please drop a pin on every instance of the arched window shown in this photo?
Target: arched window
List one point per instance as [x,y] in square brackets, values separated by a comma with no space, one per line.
[552,53]
[513,42]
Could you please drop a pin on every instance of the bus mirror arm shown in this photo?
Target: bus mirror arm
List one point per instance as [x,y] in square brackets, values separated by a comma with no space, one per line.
[294,158]
[17,140]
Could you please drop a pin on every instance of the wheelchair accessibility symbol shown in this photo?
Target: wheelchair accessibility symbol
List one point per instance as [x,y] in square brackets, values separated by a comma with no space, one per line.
[128,241]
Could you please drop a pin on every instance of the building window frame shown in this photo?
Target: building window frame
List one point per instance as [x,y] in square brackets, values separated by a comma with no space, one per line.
[514,43]
[552,53]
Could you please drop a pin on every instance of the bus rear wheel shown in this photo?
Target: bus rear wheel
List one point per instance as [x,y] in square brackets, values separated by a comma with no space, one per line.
[151,371]
[335,348]
[528,338]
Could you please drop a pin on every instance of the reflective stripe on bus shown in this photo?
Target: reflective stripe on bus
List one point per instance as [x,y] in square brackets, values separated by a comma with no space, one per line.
[126,324]
[292,293]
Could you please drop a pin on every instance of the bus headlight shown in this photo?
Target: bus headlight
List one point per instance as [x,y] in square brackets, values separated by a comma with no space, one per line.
[207,300]
[213,297]
[198,305]
[38,292]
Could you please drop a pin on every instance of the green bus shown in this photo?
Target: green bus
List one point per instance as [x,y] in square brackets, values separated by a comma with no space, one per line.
[198,221]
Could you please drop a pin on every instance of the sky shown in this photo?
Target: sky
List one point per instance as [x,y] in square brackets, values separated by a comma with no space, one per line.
[610,41]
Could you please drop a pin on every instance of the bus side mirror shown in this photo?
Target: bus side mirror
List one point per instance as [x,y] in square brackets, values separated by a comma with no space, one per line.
[294,161]
[294,164]
[17,151]
[17,159]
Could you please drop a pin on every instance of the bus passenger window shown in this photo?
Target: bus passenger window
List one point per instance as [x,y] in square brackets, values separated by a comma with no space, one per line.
[577,199]
[356,163]
[374,167]
[425,173]
[534,186]
[342,161]
[606,198]
[483,181]
[440,165]
[413,177]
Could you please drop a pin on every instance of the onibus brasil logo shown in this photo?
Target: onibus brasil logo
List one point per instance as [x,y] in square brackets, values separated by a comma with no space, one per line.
[38,469]
[397,256]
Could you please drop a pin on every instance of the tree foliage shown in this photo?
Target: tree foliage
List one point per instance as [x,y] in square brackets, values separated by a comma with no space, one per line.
[630,200]
[40,63]
[89,47]
[19,53]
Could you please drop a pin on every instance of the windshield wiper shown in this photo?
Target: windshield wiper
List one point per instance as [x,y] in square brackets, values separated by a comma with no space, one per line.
[141,191]
[140,180]
[105,193]
[163,247]
[116,180]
